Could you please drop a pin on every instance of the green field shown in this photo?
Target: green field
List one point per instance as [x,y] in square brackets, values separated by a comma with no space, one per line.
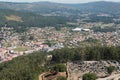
[20,49]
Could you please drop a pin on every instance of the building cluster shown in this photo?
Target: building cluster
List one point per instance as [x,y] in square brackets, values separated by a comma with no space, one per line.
[12,46]
[48,39]
[109,38]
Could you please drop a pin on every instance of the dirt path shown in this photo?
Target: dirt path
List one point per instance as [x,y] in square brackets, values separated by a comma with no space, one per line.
[71,76]
[41,76]
[114,77]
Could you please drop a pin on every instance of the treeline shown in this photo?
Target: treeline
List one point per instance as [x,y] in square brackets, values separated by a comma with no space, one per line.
[86,53]
[23,68]
[104,19]
[105,29]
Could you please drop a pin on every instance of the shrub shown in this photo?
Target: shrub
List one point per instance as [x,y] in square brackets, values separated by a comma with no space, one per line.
[89,76]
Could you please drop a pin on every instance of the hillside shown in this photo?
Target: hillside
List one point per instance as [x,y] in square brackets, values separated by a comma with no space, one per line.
[15,18]
[41,14]
[101,6]
[39,7]
[49,7]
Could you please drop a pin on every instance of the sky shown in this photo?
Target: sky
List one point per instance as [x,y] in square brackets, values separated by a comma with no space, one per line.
[60,1]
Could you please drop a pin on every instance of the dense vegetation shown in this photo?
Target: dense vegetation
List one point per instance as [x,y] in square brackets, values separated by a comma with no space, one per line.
[105,29]
[23,68]
[104,19]
[59,68]
[86,53]
[22,20]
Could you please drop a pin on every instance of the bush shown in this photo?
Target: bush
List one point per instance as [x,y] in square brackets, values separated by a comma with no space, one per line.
[60,68]
[110,69]
[89,76]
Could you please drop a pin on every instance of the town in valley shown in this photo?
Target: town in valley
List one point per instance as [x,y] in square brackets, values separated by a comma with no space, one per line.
[55,41]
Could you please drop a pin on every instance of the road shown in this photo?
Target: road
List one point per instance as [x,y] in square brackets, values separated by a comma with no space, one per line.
[114,77]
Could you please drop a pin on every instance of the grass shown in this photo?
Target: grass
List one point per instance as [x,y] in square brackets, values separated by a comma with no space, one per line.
[14,18]
[21,49]
[8,45]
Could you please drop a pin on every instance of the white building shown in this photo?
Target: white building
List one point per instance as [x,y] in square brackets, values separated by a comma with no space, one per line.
[86,30]
[77,29]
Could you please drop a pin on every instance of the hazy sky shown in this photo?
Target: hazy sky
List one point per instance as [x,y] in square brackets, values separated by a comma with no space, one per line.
[60,1]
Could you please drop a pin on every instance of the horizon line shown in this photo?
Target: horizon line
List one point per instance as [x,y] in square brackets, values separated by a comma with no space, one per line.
[59,2]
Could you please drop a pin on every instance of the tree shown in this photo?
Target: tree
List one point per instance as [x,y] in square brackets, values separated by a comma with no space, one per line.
[31,37]
[23,38]
[60,68]
[110,69]
[14,69]
[89,76]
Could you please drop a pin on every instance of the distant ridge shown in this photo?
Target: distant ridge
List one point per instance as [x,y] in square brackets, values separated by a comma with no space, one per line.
[44,13]
[48,7]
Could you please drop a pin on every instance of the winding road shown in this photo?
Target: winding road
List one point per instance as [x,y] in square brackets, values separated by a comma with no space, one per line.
[114,77]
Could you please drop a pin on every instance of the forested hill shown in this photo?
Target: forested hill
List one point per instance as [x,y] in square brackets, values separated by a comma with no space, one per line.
[22,16]
[48,7]
[99,7]
[26,19]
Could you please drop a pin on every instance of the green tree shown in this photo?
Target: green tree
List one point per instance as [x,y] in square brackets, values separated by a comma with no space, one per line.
[23,38]
[23,68]
[89,76]
[110,69]
[60,68]
[31,37]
